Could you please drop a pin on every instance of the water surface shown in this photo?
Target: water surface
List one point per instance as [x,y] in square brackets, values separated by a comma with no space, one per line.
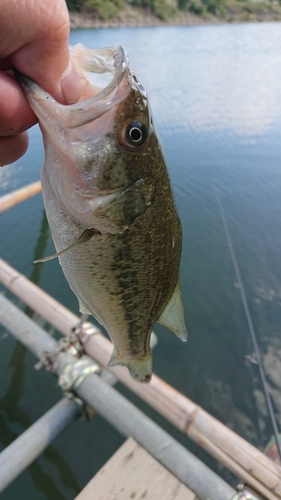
[216,98]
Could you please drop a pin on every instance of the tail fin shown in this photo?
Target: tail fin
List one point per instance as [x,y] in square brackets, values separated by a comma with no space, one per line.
[140,369]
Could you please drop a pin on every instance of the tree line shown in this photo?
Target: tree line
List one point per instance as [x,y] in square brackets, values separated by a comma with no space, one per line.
[163,9]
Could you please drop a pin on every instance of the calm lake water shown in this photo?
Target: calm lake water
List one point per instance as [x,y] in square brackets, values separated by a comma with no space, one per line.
[216,96]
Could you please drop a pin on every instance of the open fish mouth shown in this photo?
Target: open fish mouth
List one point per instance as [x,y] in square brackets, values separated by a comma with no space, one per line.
[78,131]
[105,68]
[89,145]
[101,72]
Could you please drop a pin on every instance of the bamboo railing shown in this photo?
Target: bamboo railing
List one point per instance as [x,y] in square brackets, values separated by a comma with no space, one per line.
[11,199]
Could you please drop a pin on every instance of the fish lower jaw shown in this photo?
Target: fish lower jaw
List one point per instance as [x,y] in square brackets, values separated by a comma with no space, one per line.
[140,368]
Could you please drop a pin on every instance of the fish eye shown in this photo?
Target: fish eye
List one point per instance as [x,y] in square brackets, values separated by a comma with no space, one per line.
[135,134]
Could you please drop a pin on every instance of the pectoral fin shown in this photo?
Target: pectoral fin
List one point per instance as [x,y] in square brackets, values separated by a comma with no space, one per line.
[123,209]
[173,315]
[140,369]
[85,236]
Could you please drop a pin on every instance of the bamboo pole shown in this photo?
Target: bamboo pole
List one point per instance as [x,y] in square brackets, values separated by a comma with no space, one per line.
[116,409]
[31,443]
[240,457]
[11,199]
[60,317]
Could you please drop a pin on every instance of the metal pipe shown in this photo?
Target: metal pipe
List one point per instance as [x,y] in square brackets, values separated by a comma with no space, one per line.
[123,415]
[24,329]
[31,443]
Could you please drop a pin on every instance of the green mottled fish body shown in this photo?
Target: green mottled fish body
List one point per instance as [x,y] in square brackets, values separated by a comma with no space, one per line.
[105,173]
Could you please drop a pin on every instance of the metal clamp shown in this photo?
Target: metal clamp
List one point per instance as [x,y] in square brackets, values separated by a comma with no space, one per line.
[73,344]
[73,374]
[83,331]
[72,377]
[68,344]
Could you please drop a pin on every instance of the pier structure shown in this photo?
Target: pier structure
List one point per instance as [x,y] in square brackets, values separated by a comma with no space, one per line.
[150,457]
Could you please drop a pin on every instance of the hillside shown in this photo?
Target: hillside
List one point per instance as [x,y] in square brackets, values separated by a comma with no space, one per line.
[96,13]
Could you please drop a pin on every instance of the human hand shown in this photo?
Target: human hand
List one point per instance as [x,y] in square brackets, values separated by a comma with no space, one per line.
[34,40]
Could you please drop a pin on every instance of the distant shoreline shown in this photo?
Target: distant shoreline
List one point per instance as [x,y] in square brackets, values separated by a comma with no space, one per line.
[138,18]
[86,21]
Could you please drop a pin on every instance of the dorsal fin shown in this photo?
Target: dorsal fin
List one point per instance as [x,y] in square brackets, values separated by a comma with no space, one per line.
[173,315]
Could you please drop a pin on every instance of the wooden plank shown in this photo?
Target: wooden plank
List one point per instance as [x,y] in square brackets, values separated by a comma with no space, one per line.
[132,473]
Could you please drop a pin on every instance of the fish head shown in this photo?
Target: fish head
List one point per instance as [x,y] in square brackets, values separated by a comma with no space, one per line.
[98,147]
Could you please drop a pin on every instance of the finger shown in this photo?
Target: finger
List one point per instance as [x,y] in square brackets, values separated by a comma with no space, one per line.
[12,148]
[38,41]
[15,113]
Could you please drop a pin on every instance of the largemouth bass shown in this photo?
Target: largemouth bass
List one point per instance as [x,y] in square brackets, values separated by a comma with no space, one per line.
[110,206]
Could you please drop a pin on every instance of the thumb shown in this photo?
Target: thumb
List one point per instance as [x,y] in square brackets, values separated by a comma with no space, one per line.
[39,48]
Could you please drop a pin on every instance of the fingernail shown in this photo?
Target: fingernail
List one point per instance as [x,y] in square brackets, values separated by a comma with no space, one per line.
[70,85]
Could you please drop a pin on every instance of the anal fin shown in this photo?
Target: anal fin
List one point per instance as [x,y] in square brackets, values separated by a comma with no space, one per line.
[173,315]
